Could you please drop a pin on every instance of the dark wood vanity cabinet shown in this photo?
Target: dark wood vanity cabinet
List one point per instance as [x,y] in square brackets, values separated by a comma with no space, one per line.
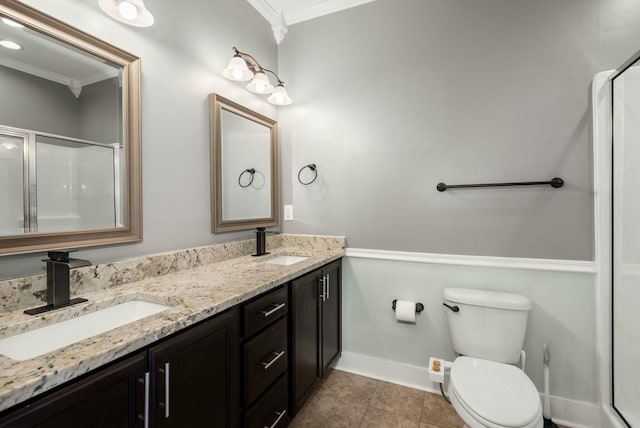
[188,380]
[114,397]
[265,360]
[196,376]
[316,337]
[251,366]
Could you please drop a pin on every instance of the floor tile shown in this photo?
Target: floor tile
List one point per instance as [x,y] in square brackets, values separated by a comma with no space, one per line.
[376,418]
[332,408]
[348,386]
[438,412]
[399,400]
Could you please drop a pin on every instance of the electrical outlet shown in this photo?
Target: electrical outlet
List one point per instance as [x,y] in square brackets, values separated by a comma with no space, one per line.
[288,212]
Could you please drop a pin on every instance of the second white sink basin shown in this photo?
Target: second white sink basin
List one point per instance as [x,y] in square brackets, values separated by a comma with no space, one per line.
[285,260]
[40,341]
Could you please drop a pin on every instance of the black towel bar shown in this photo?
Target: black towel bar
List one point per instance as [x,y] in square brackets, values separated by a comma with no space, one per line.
[555,183]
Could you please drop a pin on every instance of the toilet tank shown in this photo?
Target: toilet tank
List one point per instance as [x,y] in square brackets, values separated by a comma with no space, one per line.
[489,324]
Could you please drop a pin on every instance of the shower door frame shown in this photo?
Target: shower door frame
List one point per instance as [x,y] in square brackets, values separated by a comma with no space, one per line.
[617,73]
[30,179]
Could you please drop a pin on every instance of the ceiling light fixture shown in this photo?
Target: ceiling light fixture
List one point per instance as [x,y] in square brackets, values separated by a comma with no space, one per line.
[243,67]
[12,23]
[10,45]
[132,12]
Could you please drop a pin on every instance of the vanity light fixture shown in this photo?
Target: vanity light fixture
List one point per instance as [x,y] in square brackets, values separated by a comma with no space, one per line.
[132,12]
[10,45]
[243,67]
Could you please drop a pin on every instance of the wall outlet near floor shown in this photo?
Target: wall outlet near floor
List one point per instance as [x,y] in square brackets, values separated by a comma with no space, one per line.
[288,212]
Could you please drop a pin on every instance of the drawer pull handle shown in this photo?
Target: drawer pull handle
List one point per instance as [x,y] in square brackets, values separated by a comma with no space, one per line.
[273,360]
[328,287]
[280,416]
[166,389]
[267,313]
[145,417]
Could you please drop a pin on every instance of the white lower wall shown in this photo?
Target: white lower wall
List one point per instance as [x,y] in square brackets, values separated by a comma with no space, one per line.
[563,314]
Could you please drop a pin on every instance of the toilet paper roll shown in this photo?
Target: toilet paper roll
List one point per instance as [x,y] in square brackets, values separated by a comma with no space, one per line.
[406,311]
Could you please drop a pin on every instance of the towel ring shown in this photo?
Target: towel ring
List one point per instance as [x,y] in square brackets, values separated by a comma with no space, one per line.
[251,171]
[312,167]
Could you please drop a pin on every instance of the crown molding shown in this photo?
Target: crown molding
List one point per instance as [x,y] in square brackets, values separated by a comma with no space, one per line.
[36,71]
[74,85]
[265,9]
[321,9]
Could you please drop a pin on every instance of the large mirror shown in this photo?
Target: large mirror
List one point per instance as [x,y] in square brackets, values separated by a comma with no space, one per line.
[244,172]
[69,136]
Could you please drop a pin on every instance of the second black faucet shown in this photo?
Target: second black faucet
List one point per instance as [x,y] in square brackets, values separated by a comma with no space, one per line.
[261,241]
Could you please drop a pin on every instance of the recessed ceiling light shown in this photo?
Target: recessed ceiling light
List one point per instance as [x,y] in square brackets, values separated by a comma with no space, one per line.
[12,23]
[10,45]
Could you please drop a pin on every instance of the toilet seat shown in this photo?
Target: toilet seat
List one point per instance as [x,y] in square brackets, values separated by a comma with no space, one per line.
[495,395]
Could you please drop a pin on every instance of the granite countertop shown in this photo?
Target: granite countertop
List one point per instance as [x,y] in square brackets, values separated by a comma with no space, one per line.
[193,294]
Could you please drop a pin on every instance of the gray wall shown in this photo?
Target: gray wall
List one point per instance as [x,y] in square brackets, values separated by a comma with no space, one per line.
[101,111]
[183,55]
[394,97]
[37,104]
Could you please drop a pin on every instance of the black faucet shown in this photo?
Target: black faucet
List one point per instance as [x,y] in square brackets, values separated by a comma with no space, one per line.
[58,290]
[261,241]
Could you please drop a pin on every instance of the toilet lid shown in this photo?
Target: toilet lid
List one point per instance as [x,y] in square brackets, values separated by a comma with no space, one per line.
[500,393]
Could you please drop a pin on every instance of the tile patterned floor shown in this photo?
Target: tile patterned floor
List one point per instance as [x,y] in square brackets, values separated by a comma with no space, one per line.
[347,400]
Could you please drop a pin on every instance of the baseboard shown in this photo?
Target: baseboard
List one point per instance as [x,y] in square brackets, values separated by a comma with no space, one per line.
[388,371]
[571,413]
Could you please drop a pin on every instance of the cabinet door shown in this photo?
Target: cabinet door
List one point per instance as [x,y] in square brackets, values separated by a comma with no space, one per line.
[331,315]
[197,376]
[111,398]
[304,343]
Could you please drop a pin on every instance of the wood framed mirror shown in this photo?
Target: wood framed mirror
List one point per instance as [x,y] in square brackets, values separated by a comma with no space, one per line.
[70,137]
[244,167]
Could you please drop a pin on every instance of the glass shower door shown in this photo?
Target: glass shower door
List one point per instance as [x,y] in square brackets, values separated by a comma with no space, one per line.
[626,244]
[73,193]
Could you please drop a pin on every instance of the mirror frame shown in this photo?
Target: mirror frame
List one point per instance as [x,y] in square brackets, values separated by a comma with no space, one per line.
[218,224]
[130,65]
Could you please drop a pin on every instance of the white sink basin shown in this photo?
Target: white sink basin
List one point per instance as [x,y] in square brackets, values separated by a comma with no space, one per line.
[38,342]
[285,260]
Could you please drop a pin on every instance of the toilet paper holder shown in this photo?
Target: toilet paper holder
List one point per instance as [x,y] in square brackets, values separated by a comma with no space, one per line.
[419,306]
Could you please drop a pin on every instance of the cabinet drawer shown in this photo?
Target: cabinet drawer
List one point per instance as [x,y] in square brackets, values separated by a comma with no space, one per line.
[271,409]
[264,311]
[265,359]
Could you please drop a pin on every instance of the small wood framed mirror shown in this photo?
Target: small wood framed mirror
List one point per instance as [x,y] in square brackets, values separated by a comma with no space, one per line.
[244,167]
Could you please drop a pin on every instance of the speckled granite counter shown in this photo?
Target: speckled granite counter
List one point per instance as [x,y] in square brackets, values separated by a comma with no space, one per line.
[194,294]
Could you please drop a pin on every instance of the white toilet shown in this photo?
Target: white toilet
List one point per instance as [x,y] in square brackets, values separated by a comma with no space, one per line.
[487,329]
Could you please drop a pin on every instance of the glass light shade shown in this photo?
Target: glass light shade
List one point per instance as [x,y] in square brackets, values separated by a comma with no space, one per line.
[127,10]
[237,70]
[279,97]
[260,84]
[132,12]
